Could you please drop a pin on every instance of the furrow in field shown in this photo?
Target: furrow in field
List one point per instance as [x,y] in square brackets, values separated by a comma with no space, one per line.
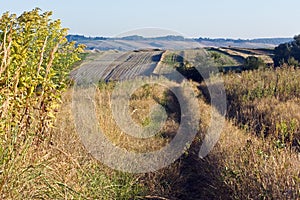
[94,69]
[136,64]
[113,66]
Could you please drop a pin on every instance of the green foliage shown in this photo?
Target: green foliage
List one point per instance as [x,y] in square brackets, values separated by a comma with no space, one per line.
[287,52]
[293,62]
[221,59]
[174,60]
[253,62]
[286,130]
[215,55]
[98,184]
[35,60]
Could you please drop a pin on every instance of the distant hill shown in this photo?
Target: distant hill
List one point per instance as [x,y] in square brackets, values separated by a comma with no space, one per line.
[270,41]
[134,42]
[79,38]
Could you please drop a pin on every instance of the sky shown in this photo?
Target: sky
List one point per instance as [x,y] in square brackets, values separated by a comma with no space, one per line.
[189,18]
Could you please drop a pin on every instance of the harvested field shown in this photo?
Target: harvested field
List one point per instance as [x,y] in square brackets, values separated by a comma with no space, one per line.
[174,59]
[134,64]
[168,62]
[194,56]
[116,66]
[244,53]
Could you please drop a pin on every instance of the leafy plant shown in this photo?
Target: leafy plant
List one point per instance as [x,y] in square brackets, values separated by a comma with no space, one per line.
[35,59]
[253,62]
[287,52]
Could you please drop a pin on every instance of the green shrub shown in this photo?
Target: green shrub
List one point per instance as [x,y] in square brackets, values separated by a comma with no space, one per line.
[253,62]
[35,59]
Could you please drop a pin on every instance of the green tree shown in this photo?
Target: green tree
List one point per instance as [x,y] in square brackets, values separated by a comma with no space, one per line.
[253,62]
[287,52]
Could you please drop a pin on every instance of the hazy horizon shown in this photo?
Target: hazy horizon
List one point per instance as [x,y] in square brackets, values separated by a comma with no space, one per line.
[157,36]
[230,19]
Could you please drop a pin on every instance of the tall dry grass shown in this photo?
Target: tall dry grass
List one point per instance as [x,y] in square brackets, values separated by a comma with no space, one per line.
[241,166]
[261,160]
[267,103]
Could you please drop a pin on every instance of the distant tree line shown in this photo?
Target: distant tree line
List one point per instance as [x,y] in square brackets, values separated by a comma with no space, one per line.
[288,53]
[274,41]
[79,38]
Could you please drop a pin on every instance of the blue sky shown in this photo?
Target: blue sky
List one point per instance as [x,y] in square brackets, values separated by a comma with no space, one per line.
[191,18]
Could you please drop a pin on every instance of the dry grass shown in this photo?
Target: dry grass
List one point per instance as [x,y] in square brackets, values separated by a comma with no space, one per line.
[141,102]
[61,168]
[187,178]
[88,177]
[266,102]
[254,169]
[241,166]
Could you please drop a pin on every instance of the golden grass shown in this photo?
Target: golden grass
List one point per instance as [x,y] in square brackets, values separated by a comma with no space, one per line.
[241,166]
[140,105]
[61,168]
[267,103]
[254,169]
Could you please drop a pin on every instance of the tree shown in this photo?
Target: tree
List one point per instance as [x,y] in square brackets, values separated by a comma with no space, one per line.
[287,52]
[253,62]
